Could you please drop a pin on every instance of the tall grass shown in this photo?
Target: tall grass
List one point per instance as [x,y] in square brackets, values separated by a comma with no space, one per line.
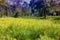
[29,29]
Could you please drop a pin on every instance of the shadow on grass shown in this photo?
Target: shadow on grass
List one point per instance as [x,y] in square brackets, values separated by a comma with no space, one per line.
[57,18]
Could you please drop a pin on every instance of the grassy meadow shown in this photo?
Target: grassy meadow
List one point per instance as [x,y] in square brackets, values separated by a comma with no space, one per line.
[30,28]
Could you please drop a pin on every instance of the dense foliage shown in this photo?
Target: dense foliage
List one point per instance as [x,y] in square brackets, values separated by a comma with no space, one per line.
[34,5]
[28,8]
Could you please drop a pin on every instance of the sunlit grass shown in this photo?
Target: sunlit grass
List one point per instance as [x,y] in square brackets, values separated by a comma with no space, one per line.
[28,28]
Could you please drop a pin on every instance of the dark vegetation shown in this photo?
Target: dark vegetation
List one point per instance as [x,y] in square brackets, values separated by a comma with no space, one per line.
[35,8]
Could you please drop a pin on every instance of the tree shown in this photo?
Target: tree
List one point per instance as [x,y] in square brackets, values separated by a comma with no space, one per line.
[2,2]
[37,5]
[12,6]
[25,8]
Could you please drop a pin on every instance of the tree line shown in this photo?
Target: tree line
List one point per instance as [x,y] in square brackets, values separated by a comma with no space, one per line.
[34,8]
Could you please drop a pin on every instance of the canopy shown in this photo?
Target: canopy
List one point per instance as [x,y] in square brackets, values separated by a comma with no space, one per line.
[16,2]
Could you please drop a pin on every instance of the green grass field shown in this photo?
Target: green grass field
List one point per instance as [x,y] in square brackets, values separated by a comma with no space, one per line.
[30,28]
